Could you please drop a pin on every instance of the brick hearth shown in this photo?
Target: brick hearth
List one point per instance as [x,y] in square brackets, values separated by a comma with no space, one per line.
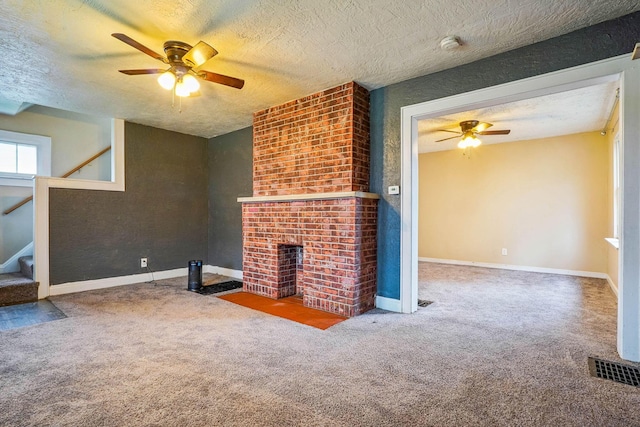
[310,227]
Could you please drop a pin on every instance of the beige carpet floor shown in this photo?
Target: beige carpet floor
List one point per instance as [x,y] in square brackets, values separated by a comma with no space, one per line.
[496,348]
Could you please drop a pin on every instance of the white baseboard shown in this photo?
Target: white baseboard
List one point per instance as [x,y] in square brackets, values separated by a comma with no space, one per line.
[109,282]
[236,274]
[388,304]
[612,285]
[11,265]
[518,267]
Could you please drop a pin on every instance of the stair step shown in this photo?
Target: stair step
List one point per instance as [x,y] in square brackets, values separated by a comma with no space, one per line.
[26,266]
[17,289]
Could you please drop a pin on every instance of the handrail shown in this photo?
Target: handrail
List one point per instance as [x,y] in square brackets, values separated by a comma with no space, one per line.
[66,175]
[85,163]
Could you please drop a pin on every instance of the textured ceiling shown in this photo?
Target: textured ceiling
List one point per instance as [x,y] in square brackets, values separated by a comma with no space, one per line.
[564,113]
[60,53]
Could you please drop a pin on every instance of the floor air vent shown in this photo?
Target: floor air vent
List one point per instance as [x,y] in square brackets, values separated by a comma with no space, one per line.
[424,302]
[614,371]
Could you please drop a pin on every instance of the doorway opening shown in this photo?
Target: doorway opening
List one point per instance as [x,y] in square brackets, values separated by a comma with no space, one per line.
[536,195]
[620,68]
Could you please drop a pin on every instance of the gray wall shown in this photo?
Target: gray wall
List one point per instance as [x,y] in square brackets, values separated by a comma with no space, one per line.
[230,176]
[162,215]
[591,44]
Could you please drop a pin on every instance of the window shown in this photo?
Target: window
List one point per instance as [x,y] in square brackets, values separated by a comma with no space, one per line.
[22,156]
[18,158]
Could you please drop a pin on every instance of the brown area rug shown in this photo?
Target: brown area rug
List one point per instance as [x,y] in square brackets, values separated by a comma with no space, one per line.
[290,308]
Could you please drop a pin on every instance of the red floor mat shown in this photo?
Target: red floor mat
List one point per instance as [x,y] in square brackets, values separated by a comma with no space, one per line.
[289,308]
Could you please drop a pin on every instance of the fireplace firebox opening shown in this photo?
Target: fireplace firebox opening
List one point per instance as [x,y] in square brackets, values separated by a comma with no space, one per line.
[290,270]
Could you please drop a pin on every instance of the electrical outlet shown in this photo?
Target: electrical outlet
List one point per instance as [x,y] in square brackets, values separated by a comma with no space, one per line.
[143,262]
[504,251]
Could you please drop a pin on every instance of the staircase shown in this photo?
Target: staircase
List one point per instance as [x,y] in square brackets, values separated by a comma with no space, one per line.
[18,288]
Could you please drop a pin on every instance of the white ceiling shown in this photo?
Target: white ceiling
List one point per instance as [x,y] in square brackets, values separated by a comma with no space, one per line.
[564,113]
[60,53]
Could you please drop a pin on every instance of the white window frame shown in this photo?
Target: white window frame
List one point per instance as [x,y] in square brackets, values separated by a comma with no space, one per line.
[43,144]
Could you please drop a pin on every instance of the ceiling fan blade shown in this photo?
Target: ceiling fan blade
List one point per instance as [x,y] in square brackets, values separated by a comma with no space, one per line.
[131,42]
[199,54]
[219,78]
[446,130]
[480,127]
[143,71]
[495,132]
[446,139]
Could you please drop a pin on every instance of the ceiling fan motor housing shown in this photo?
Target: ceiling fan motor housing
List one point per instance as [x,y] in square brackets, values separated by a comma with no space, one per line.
[467,125]
[175,50]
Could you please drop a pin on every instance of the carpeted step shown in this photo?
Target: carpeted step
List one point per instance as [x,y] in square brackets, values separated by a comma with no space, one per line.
[26,266]
[17,289]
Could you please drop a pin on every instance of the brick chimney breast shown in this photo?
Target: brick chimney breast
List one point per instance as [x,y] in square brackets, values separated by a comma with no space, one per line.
[310,227]
[316,144]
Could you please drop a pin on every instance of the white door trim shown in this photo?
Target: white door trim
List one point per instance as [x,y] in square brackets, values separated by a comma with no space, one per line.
[629,216]
[572,78]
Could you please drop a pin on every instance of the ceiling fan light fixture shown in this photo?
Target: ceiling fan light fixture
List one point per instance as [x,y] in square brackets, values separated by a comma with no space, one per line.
[469,140]
[181,89]
[191,83]
[167,80]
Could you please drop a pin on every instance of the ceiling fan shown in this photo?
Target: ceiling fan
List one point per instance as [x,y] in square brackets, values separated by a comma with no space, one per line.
[183,60]
[469,129]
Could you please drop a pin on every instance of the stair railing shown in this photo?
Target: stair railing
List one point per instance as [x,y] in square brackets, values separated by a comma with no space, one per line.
[66,175]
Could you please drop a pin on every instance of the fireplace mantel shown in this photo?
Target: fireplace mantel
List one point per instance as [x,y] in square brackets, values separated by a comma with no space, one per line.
[309,196]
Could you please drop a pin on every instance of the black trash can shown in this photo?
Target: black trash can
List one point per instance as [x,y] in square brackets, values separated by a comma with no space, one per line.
[195,275]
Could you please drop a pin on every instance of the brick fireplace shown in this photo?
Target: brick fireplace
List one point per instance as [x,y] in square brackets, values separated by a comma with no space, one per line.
[310,227]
